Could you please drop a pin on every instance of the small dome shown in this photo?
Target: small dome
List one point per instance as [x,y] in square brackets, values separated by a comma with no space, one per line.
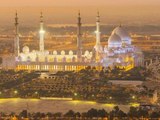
[114,41]
[86,53]
[62,52]
[54,52]
[123,34]
[25,49]
[70,52]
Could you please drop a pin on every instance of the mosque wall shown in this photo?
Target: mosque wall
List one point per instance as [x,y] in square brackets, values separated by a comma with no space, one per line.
[120,52]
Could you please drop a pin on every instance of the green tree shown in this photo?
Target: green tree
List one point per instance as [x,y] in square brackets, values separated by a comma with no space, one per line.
[155,115]
[143,113]
[133,112]
[58,114]
[92,113]
[102,113]
[70,113]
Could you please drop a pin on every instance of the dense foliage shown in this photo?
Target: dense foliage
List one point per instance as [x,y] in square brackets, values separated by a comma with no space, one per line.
[116,113]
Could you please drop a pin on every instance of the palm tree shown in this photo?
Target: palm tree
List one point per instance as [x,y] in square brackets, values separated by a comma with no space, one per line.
[70,113]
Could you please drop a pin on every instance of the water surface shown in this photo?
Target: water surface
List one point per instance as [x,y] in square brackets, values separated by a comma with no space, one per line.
[37,105]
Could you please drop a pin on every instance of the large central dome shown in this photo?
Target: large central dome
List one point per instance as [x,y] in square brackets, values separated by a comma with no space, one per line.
[114,41]
[125,37]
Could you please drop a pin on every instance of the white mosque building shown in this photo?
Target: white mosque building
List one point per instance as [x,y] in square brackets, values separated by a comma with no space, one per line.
[118,52]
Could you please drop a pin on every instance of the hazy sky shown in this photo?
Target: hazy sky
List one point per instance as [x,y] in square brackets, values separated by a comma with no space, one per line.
[65,11]
[76,2]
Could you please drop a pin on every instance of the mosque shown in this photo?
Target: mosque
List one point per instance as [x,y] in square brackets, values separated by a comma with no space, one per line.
[118,52]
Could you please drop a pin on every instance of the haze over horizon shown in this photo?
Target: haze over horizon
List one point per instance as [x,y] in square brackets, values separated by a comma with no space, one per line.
[62,12]
[21,3]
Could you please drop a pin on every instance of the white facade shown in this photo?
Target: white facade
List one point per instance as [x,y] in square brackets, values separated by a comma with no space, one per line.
[118,52]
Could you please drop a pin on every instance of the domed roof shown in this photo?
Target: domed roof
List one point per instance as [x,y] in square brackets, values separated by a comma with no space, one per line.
[114,41]
[62,52]
[54,52]
[120,31]
[70,52]
[25,49]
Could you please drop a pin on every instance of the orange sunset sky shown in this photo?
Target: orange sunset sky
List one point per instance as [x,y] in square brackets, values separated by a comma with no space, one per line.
[65,11]
[76,2]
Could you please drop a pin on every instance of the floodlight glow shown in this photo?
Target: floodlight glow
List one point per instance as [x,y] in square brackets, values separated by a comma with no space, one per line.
[41,31]
[75,94]
[133,97]
[15,91]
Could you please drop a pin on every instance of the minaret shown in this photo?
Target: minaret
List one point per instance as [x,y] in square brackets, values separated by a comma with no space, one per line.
[41,32]
[79,39]
[98,33]
[98,48]
[16,40]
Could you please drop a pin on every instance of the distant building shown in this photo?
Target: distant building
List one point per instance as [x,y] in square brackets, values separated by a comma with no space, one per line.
[119,52]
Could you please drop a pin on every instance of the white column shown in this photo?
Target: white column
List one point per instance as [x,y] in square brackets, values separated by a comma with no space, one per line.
[16,41]
[98,33]
[79,38]
[41,32]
